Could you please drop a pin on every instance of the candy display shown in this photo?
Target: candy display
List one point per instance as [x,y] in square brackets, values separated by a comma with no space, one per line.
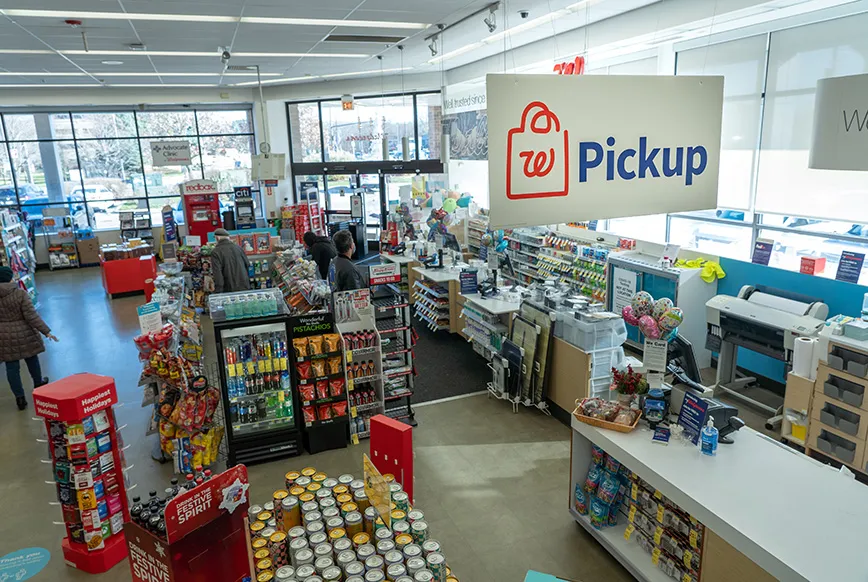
[197,262]
[291,539]
[299,282]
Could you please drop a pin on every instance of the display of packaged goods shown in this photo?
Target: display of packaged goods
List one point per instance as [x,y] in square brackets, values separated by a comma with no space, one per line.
[298,280]
[246,304]
[612,493]
[197,261]
[116,252]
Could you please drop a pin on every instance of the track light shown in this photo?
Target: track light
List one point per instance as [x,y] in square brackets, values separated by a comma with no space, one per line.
[491,21]
[433,47]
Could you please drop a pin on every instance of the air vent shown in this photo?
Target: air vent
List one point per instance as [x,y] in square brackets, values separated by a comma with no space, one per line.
[364,38]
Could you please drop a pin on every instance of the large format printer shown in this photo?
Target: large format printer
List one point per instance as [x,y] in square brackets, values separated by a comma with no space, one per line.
[761,319]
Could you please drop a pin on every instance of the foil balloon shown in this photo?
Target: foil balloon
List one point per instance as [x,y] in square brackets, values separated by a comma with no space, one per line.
[464,201]
[501,246]
[661,306]
[629,316]
[643,304]
[670,335]
[450,204]
[671,319]
[487,240]
[648,326]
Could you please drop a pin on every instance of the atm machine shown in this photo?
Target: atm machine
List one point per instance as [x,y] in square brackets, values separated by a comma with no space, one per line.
[245,217]
[201,207]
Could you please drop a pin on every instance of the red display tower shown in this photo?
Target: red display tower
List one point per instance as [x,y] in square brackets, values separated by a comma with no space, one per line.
[86,451]
[201,207]
[206,535]
[392,450]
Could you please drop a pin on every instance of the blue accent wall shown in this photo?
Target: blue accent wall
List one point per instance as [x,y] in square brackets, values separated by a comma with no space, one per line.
[842,298]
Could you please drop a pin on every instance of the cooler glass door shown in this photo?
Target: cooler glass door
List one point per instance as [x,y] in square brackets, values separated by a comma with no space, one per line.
[258,386]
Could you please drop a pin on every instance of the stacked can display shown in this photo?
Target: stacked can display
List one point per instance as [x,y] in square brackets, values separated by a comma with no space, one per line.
[612,493]
[321,528]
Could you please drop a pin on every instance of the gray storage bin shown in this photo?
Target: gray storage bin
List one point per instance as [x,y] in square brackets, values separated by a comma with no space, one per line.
[840,418]
[855,363]
[844,390]
[835,446]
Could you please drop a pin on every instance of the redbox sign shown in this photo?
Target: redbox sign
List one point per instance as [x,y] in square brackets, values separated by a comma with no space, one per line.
[576,67]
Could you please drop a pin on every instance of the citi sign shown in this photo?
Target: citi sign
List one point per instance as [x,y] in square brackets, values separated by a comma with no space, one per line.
[539,158]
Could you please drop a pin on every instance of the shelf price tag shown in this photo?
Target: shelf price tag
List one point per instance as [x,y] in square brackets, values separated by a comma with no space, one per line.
[283,363]
[355,439]
[688,559]
[686,578]
[632,515]
[239,369]
[268,367]
[354,412]
[659,513]
[634,492]
[655,556]
[349,356]
[261,365]
[350,385]
[657,535]
[230,369]
[694,539]
[657,494]
[629,531]
[251,368]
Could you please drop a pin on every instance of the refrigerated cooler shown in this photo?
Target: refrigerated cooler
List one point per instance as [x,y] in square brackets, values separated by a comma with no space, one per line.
[260,408]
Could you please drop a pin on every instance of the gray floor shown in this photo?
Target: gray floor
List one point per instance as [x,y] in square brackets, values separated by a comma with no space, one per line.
[493,485]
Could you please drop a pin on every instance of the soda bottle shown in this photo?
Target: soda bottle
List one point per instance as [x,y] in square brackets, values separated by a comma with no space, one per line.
[189,482]
[136,509]
[175,487]
[207,474]
[161,528]
[152,523]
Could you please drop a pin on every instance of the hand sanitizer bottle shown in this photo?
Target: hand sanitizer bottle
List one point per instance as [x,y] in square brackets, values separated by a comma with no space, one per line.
[709,439]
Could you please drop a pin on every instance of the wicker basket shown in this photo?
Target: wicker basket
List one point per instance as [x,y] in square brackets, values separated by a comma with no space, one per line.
[604,423]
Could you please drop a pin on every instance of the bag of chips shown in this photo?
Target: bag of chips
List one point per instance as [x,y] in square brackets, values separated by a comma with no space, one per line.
[598,455]
[322,389]
[314,345]
[608,488]
[580,500]
[332,342]
[592,481]
[304,370]
[306,392]
[319,368]
[599,513]
[324,411]
[300,345]
[336,386]
[339,408]
[309,413]
[335,365]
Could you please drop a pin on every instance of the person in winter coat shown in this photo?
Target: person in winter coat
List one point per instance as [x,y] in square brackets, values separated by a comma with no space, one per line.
[229,265]
[322,250]
[344,275]
[21,331]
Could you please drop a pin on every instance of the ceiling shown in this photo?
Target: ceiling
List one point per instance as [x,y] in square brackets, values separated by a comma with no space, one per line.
[183,39]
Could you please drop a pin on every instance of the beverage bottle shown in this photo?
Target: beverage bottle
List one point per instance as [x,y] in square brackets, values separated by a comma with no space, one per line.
[207,474]
[161,528]
[709,439]
[175,487]
[190,484]
[170,492]
[152,496]
[136,509]
[199,481]
[153,521]
[260,384]
[144,516]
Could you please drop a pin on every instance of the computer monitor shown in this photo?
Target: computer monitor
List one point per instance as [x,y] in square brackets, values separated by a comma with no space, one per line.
[451,242]
[680,352]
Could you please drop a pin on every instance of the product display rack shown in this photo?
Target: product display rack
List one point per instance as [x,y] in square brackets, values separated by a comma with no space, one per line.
[58,229]
[137,224]
[399,370]
[431,304]
[298,281]
[86,451]
[363,360]
[485,330]
[17,252]
[476,228]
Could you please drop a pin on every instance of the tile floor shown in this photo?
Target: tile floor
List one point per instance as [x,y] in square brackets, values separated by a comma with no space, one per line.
[494,485]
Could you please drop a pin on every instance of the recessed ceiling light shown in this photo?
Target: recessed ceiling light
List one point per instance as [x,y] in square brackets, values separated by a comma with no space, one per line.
[112,62]
[149,53]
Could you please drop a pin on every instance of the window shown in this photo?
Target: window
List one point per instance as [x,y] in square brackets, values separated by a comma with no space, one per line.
[723,240]
[357,134]
[651,228]
[797,59]
[429,114]
[304,128]
[99,164]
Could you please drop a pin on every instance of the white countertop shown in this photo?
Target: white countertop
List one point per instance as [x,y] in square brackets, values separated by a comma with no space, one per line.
[443,275]
[399,259]
[793,516]
[493,305]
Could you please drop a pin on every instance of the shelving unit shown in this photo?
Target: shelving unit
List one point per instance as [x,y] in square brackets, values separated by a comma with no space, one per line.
[137,224]
[476,227]
[408,275]
[17,253]
[392,309]
[58,229]
[487,322]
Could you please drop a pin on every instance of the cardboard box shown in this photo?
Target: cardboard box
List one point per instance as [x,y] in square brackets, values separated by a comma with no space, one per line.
[798,394]
[88,251]
[812,265]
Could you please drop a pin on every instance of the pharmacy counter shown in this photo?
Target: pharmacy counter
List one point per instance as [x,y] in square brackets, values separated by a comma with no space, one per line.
[769,512]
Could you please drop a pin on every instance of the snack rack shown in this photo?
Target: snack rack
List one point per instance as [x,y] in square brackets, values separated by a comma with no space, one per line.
[320,382]
[86,450]
[363,359]
[59,231]
[137,224]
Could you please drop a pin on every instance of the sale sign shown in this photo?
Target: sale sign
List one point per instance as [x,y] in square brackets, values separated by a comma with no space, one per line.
[577,147]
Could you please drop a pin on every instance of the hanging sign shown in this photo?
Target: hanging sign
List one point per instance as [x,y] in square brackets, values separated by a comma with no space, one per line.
[171,153]
[840,138]
[583,147]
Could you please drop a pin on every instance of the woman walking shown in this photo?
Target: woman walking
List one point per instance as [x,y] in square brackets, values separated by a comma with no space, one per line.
[21,331]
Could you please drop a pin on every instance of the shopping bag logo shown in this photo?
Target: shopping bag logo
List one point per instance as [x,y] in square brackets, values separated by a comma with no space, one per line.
[537,163]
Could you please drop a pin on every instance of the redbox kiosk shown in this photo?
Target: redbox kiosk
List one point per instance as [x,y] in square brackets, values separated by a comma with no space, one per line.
[201,207]
[206,535]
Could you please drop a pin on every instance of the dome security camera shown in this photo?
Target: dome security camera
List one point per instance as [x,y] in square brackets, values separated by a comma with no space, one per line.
[225,56]
[524,13]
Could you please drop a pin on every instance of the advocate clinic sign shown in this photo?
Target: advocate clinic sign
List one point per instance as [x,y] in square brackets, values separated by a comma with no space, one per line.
[571,148]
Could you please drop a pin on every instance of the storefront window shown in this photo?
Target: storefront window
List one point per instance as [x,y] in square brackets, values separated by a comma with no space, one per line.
[722,240]
[304,130]
[224,122]
[166,123]
[790,247]
[650,228]
[47,171]
[164,180]
[157,206]
[227,160]
[29,127]
[104,125]
[429,114]
[357,135]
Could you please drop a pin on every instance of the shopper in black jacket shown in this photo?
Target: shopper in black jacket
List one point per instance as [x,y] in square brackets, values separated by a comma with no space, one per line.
[322,250]
[343,273]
